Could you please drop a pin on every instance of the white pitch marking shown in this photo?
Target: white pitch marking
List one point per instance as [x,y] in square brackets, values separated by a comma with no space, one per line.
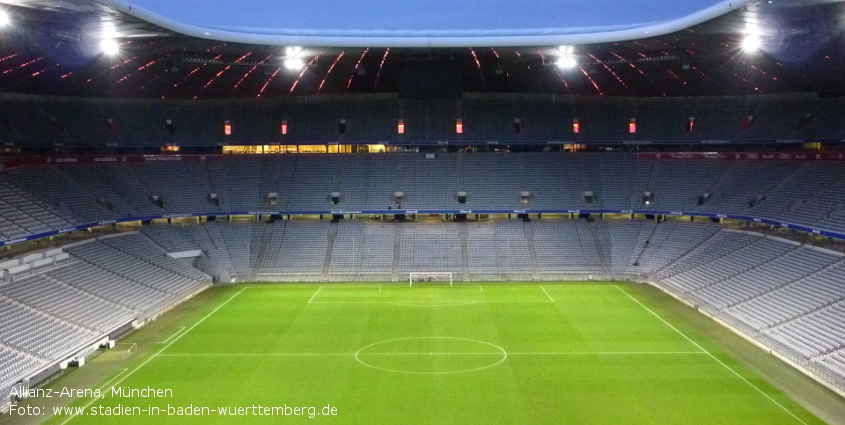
[545,353]
[181,328]
[408,302]
[315,294]
[712,356]
[501,351]
[156,354]
[547,294]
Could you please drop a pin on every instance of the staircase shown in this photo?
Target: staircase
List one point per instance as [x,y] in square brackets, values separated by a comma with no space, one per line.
[464,234]
[597,244]
[266,236]
[528,232]
[327,261]
[397,251]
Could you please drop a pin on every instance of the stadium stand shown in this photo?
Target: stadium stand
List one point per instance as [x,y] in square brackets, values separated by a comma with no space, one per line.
[786,295]
[42,120]
[52,197]
[77,297]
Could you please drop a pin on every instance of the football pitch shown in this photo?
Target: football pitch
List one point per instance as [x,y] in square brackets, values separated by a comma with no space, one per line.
[468,354]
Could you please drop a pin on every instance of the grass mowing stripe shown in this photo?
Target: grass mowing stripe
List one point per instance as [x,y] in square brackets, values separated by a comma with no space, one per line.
[70,418]
[712,356]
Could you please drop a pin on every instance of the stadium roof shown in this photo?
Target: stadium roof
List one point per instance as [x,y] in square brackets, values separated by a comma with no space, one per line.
[55,47]
[429,23]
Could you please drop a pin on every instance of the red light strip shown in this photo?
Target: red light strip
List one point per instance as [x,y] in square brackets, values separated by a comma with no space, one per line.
[608,69]
[478,64]
[212,79]
[260,92]
[304,70]
[194,71]
[355,70]
[9,57]
[640,71]
[23,65]
[380,66]
[122,63]
[36,73]
[141,68]
[591,80]
[330,70]
[248,74]
[754,67]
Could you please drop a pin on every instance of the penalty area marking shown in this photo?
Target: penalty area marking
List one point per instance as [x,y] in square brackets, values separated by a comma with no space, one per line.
[547,294]
[71,417]
[315,294]
[709,354]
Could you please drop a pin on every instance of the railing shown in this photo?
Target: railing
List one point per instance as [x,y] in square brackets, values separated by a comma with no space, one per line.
[751,219]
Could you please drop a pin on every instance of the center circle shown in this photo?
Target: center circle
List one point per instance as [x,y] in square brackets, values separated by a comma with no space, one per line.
[431,355]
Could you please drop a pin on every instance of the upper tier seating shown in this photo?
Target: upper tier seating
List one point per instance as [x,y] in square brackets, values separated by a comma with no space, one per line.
[43,198]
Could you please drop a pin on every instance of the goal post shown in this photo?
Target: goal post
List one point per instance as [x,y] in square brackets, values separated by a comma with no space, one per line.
[417,278]
[125,349]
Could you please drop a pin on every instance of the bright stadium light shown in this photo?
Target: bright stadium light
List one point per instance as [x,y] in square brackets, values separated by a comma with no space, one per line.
[5,20]
[294,64]
[567,62]
[109,30]
[109,47]
[751,43]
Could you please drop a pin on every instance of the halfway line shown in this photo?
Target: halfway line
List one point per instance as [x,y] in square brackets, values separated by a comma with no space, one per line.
[546,353]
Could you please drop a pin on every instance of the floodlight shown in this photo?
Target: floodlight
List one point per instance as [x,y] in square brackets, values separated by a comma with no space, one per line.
[751,43]
[5,20]
[567,50]
[294,64]
[567,62]
[293,51]
[109,47]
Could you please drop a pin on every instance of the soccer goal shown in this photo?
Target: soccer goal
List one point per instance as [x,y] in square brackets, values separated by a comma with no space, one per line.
[420,278]
[124,350]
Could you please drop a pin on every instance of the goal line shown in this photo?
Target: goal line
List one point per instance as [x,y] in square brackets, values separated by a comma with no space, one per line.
[430,277]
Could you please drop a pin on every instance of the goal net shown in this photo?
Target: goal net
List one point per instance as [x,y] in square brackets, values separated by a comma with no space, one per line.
[426,278]
[124,350]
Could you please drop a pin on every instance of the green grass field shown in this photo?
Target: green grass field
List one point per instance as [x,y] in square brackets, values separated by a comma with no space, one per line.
[492,354]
